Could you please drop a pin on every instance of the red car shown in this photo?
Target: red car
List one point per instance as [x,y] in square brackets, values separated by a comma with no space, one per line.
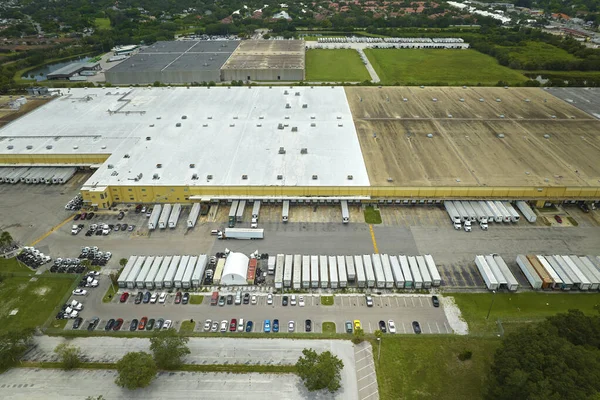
[142,323]
[124,297]
[178,298]
[82,216]
[233,325]
[118,324]
[558,219]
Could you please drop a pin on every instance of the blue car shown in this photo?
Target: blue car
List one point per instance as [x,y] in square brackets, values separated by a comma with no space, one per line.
[267,325]
[275,325]
[249,325]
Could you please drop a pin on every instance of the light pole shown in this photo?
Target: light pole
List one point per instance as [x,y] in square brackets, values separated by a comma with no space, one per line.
[491,305]
[379,349]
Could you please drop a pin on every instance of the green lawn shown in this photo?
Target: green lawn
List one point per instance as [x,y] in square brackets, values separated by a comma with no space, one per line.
[34,300]
[342,65]
[110,293]
[534,54]
[326,300]
[196,299]
[439,67]
[328,327]
[102,23]
[427,367]
[11,265]
[515,310]
[187,326]
[372,216]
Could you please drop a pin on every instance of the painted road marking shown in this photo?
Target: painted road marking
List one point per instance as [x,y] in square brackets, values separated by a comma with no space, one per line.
[366,376]
[45,235]
[373,239]
[375,392]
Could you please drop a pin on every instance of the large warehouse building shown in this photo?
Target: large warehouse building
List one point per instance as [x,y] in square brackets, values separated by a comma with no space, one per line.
[362,143]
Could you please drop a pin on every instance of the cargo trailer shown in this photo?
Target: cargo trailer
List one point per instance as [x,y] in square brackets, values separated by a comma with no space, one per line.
[251,272]
[122,279]
[241,233]
[169,280]
[174,217]
[199,270]
[486,210]
[361,278]
[164,216]
[378,269]
[305,272]
[239,214]
[512,283]
[193,217]
[387,271]
[452,212]
[342,274]
[557,282]
[177,280]
[186,281]
[436,279]
[416,274]
[314,272]
[497,214]
[285,210]
[297,275]
[324,272]
[149,281]
[350,268]
[288,271]
[572,276]
[369,271]
[532,276]
[345,212]
[565,278]
[256,209]
[502,282]
[470,211]
[514,215]
[409,282]
[464,216]
[486,273]
[271,265]
[232,213]
[160,275]
[218,271]
[527,211]
[279,269]
[154,217]
[547,282]
[584,282]
[594,272]
[333,272]
[135,271]
[140,281]
[590,274]
[506,217]
[397,272]
[481,216]
[424,271]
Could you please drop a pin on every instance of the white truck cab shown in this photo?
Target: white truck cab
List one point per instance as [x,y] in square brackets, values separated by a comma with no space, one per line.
[483,225]
[254,223]
[467,226]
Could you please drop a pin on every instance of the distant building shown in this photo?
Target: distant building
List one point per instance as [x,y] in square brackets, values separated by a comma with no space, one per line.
[72,71]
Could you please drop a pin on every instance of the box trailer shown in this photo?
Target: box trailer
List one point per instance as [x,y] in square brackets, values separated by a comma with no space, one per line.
[122,279]
[193,217]
[241,233]
[333,272]
[514,215]
[177,280]
[305,272]
[369,271]
[506,216]
[424,271]
[378,269]
[542,273]
[199,270]
[342,274]
[186,281]
[351,271]
[140,281]
[279,269]
[163,220]
[255,209]
[387,271]
[251,272]
[154,216]
[314,272]
[481,216]
[594,272]
[436,279]
[160,275]
[464,216]
[135,271]
[409,282]
[361,278]
[288,271]
[470,211]
[584,282]
[494,210]
[502,282]
[271,265]
[345,212]
[452,212]
[486,273]
[239,214]
[557,282]
[557,267]
[511,282]
[416,274]
[285,211]
[532,276]
[323,272]
[397,272]
[174,217]
[232,213]
[297,275]
[218,271]
[149,281]
[590,274]
[486,210]
[527,211]
[168,282]
[572,276]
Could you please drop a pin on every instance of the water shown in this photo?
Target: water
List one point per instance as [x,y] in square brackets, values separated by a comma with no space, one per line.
[41,72]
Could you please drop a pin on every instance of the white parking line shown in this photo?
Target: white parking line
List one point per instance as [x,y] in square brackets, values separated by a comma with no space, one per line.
[366,348]
[405,305]
[370,330]
[429,326]
[366,376]
[403,327]
[366,366]
[446,326]
[438,327]
[413,301]
[397,304]
[370,384]
[421,301]
[357,361]
[375,392]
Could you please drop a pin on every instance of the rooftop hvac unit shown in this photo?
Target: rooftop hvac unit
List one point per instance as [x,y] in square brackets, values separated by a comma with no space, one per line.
[312,117]
[304,150]
[304,105]
[287,117]
[280,126]
[29,147]
[184,117]
[235,117]
[294,129]
[340,124]
[390,179]
[209,177]
[339,117]
[124,156]
[158,117]
[350,177]
[281,150]
[261,117]
[155,176]
[158,165]
[288,105]
[49,147]
[151,125]
[279,177]
[10,147]
[209,117]
[192,165]
[205,125]
[231,125]
[501,135]
[313,124]
[76,147]
[244,177]
[178,124]
[148,138]
[114,173]
[297,94]
[194,177]
[285,92]
[258,125]
[110,166]
[315,177]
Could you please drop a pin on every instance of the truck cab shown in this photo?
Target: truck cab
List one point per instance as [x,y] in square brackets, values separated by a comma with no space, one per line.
[484,225]
[75,230]
[231,222]
[467,226]
[457,226]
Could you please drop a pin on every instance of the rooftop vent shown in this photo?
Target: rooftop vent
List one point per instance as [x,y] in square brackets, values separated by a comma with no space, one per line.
[288,105]
[304,150]
[261,117]
[10,147]
[305,105]
[192,165]
[195,177]
[178,124]
[231,125]
[258,125]
[29,147]
[500,136]
[312,117]
[280,126]
[279,177]
[155,176]
[294,129]
[76,147]
[235,117]
[350,177]
[124,155]
[110,166]
[281,150]
[209,177]
[49,147]
[209,117]
[204,125]
[390,179]
[158,165]
[151,125]
[315,177]
[158,117]
[184,117]
[297,94]
[245,177]
[148,138]
[285,92]
[287,117]
[430,135]
[103,147]
[340,124]
[313,124]
[339,117]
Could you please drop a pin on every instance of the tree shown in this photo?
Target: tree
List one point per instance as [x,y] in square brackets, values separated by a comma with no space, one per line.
[12,346]
[136,370]
[358,336]
[123,262]
[168,348]
[319,371]
[5,239]
[70,356]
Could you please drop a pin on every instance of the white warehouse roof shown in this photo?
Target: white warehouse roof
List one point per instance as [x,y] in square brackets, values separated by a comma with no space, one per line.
[235,270]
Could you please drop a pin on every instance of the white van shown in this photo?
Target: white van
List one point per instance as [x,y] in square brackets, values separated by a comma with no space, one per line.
[238,298]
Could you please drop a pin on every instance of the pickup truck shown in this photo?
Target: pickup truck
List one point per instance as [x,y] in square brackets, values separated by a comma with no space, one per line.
[75,229]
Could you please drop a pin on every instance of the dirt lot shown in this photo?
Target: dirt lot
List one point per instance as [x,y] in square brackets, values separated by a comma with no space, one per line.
[393,123]
[7,114]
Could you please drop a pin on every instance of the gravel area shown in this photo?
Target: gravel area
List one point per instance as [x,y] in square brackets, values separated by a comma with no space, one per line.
[454,316]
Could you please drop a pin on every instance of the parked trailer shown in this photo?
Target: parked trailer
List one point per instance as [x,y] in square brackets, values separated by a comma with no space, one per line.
[345,212]
[414,270]
[279,270]
[256,209]
[219,271]
[539,269]
[585,283]
[502,282]
[163,221]
[378,269]
[333,272]
[569,275]
[361,278]
[160,275]
[470,211]
[511,282]
[591,266]
[423,270]
[140,281]
[590,274]
[557,282]
[149,281]
[305,272]
[514,215]
[186,281]
[285,210]
[173,217]
[409,282]
[567,283]
[135,271]
[241,233]
[397,272]
[342,274]
[481,216]
[324,272]
[350,268]
[436,279]
[387,271]
[486,210]
[527,212]
[369,271]
[193,217]
[297,274]
[486,273]
[506,217]
[122,279]
[288,271]
[66,175]
[239,214]
[271,265]
[464,216]
[314,272]
[154,216]
[198,273]
[452,212]
[497,214]
[232,213]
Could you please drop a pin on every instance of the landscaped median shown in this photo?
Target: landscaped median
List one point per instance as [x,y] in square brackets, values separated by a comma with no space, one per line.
[326,300]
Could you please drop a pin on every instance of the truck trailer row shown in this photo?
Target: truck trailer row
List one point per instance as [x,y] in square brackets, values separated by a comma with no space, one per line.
[35,175]
[158,272]
[561,272]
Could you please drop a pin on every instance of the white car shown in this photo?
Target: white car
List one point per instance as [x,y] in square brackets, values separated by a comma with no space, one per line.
[167,324]
[224,325]
[162,298]
[215,326]
[154,298]
[391,326]
[80,292]
[240,326]
[291,326]
[301,301]
[207,325]
[293,300]
[253,299]
[92,283]
[269,299]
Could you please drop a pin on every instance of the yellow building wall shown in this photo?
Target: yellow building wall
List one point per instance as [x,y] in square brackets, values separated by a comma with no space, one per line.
[76,159]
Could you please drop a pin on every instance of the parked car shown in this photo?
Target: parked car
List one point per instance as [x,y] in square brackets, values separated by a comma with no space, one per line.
[142,323]
[229,299]
[240,325]
[162,298]
[215,326]
[133,325]
[177,297]
[221,300]
[109,325]
[153,298]
[118,324]
[77,322]
[301,301]
[382,327]
[224,325]
[93,324]
[233,325]
[293,301]
[159,324]
[558,219]
[284,301]
[435,301]
[270,299]
[369,300]
[121,215]
[139,297]
[275,325]
[185,298]
[392,326]
[249,326]
[357,324]
[308,325]
[167,324]
[150,324]
[207,325]
[267,326]
[416,327]
[349,327]
[124,297]
[147,297]
[246,298]
[76,217]
[79,292]
[254,299]
[291,326]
